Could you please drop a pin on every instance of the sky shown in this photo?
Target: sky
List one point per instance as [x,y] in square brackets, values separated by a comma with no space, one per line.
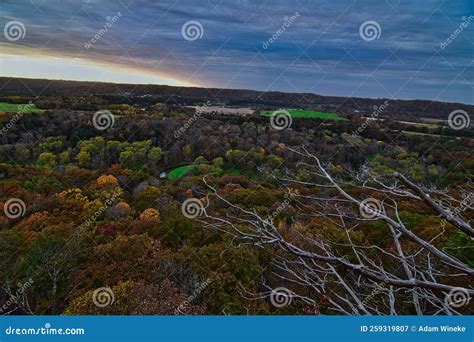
[396,49]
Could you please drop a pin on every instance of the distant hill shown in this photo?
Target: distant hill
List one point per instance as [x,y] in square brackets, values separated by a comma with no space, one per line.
[230,97]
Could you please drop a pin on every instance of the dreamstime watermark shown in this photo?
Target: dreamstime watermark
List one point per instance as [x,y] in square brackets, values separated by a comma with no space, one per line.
[192,30]
[14,208]
[373,116]
[466,21]
[22,109]
[110,21]
[370,208]
[370,30]
[46,330]
[103,296]
[103,119]
[15,298]
[458,297]
[180,309]
[281,119]
[459,119]
[288,197]
[286,25]
[379,288]
[108,202]
[465,203]
[281,296]
[192,208]
[199,111]
[14,30]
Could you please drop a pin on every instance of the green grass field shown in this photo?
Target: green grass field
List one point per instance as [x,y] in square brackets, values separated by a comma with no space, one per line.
[180,171]
[307,113]
[184,170]
[12,107]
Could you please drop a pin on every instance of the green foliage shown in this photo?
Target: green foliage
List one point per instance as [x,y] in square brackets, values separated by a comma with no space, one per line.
[139,153]
[175,229]
[43,184]
[65,156]
[187,151]
[466,253]
[303,175]
[52,144]
[47,160]
[147,198]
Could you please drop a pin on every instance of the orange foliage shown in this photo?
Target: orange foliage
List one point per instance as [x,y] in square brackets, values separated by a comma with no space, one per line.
[150,214]
[106,181]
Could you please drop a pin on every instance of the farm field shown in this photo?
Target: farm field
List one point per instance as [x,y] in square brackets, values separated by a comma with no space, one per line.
[180,171]
[307,113]
[185,170]
[420,124]
[13,107]
[224,110]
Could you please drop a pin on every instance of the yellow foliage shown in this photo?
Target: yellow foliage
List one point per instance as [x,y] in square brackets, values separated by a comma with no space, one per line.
[73,193]
[123,205]
[112,298]
[107,180]
[150,214]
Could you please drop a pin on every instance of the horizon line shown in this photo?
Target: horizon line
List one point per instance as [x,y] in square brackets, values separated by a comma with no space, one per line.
[238,89]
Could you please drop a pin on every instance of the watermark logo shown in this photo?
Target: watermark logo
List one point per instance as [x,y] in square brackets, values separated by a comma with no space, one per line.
[191,121]
[14,30]
[377,110]
[47,329]
[370,208]
[181,308]
[459,119]
[103,119]
[281,297]
[14,208]
[192,30]
[192,208]
[378,289]
[288,197]
[466,21]
[458,297]
[110,21]
[466,203]
[108,202]
[370,30]
[103,296]
[286,25]
[22,109]
[280,119]
[15,298]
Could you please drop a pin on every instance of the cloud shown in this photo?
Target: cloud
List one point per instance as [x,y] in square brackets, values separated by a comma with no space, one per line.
[321,51]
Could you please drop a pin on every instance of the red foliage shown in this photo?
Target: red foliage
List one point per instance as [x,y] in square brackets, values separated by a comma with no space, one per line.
[106,229]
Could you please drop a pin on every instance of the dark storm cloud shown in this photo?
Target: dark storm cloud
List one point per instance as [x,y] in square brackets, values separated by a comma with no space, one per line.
[320,51]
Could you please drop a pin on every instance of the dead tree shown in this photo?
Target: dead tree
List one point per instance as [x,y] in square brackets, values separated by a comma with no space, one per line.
[410,274]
